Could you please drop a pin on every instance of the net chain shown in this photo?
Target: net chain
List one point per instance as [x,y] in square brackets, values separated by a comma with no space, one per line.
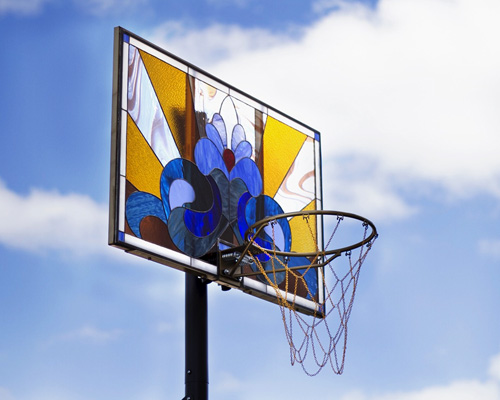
[315,334]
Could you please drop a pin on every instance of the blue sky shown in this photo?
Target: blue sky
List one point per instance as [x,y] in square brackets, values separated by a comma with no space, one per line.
[405,94]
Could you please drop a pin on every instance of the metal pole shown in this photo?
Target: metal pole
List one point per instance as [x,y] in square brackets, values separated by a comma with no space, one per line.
[196,339]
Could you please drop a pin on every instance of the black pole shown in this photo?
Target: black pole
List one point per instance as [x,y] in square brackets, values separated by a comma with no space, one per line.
[196,339]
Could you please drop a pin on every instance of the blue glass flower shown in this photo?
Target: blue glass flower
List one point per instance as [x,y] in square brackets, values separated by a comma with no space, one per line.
[235,162]
[222,189]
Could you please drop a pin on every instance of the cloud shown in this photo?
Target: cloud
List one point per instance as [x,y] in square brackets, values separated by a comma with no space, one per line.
[164,327]
[355,185]
[465,390]
[5,394]
[220,42]
[410,87]
[238,3]
[160,294]
[494,369]
[458,390]
[102,8]
[324,6]
[43,221]
[91,334]
[490,247]
[99,8]
[229,384]
[22,7]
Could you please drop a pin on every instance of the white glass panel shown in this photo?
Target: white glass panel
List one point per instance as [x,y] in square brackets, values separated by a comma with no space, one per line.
[158,54]
[230,116]
[124,76]
[292,123]
[203,266]
[252,103]
[300,301]
[321,289]
[123,143]
[317,160]
[208,99]
[246,118]
[298,188]
[145,110]
[170,254]
[212,82]
[121,205]
[256,285]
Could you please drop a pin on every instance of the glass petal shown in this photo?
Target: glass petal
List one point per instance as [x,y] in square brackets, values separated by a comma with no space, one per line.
[237,136]
[219,124]
[181,192]
[140,205]
[207,157]
[243,150]
[248,172]
[214,136]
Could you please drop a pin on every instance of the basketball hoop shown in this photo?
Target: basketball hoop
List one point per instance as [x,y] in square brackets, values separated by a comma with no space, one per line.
[324,333]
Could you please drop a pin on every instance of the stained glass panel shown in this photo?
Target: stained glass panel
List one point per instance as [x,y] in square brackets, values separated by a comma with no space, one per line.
[197,161]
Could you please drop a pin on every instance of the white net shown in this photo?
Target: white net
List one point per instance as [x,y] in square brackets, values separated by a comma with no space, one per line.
[320,339]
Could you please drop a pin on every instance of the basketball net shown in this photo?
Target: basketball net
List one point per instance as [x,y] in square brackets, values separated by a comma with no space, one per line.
[320,339]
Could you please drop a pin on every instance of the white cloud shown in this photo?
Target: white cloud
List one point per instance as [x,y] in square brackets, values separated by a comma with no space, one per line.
[94,7]
[323,6]
[164,327]
[355,185]
[5,394]
[160,293]
[23,7]
[228,384]
[43,221]
[109,7]
[490,247]
[458,390]
[206,46]
[89,333]
[494,369]
[51,393]
[239,3]
[412,86]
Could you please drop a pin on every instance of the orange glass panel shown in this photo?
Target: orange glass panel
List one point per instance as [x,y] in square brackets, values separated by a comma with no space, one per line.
[281,144]
[143,168]
[170,85]
[304,231]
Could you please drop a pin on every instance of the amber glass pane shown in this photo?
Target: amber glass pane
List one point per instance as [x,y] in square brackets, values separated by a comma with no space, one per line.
[281,145]
[143,168]
[170,85]
[304,231]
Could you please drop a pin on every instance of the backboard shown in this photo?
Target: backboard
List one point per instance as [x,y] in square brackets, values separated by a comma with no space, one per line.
[195,162]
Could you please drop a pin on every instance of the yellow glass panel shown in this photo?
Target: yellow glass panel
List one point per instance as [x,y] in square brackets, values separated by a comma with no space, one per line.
[304,231]
[281,145]
[170,85]
[143,168]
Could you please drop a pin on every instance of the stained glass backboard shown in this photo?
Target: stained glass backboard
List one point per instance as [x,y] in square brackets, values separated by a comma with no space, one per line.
[195,161]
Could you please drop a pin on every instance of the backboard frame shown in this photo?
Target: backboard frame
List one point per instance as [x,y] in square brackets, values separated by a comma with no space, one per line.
[118,235]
